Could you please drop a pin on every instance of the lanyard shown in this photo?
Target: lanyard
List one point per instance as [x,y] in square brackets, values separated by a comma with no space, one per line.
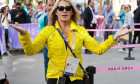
[74,38]
[107,14]
[73,45]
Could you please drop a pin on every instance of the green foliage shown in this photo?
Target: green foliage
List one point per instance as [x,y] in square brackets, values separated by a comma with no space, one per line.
[22,1]
[7,2]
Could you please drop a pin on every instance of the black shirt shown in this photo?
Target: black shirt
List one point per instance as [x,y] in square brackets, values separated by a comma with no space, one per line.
[22,18]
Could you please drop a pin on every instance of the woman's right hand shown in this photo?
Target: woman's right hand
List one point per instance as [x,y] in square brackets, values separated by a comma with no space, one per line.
[20,29]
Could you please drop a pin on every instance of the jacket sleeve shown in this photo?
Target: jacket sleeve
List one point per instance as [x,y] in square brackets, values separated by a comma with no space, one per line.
[31,48]
[92,45]
[25,8]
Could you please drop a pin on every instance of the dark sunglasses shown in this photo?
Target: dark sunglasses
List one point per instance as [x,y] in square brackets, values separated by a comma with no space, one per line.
[126,7]
[61,8]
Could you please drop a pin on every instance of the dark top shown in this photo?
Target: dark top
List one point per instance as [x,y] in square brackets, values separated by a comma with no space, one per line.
[22,18]
[137,17]
[87,18]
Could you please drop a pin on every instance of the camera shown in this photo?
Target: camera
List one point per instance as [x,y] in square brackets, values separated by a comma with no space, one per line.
[2,10]
[61,80]
[19,13]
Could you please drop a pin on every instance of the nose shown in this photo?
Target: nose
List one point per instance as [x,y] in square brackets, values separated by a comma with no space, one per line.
[64,10]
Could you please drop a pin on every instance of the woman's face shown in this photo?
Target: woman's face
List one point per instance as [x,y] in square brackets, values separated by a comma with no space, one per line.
[27,1]
[127,8]
[64,11]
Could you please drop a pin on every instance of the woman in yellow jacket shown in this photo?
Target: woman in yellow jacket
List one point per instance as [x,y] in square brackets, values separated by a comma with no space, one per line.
[64,16]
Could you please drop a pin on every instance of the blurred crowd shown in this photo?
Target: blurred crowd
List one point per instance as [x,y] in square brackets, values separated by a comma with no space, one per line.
[26,13]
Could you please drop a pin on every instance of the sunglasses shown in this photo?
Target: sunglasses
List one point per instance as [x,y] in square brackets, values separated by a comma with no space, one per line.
[126,7]
[61,8]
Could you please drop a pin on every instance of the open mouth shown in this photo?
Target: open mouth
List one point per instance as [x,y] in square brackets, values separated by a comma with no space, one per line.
[64,15]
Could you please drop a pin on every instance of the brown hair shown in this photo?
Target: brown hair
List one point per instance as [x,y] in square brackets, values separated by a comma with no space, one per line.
[26,4]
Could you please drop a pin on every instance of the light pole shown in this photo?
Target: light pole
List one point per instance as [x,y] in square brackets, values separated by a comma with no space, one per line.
[100,7]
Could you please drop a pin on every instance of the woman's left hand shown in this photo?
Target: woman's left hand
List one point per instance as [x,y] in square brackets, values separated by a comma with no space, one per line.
[121,32]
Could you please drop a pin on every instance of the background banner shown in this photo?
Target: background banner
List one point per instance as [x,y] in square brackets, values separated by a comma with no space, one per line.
[14,35]
[2,40]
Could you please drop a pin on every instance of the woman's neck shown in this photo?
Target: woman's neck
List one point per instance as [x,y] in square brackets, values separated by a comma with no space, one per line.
[64,25]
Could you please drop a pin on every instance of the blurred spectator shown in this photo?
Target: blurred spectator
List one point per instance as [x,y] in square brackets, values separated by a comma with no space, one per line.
[90,22]
[40,10]
[19,15]
[32,13]
[108,21]
[122,14]
[80,14]
[7,9]
[44,21]
[27,9]
[5,19]
[12,10]
[128,22]
[137,20]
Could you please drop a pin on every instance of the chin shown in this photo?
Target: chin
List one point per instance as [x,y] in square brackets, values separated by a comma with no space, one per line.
[65,20]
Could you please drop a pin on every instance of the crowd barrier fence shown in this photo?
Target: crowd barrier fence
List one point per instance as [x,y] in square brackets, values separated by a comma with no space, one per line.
[91,70]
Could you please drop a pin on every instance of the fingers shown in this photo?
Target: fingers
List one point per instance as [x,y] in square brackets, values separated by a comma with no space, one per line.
[13,26]
[122,28]
[130,30]
[17,23]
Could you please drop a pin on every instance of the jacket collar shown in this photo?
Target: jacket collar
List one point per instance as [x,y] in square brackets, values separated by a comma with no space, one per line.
[72,25]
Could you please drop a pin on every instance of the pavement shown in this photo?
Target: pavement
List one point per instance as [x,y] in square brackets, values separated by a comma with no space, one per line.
[22,69]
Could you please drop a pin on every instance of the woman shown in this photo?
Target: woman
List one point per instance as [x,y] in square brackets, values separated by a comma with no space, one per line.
[39,12]
[27,10]
[32,13]
[128,22]
[122,14]
[64,16]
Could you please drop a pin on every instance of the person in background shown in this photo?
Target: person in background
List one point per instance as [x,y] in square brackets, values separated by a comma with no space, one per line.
[12,11]
[19,15]
[137,20]
[44,21]
[27,9]
[80,14]
[122,14]
[40,11]
[90,22]
[32,13]
[5,19]
[108,21]
[128,22]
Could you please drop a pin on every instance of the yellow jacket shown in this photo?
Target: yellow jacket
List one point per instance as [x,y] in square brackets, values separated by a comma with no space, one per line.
[57,52]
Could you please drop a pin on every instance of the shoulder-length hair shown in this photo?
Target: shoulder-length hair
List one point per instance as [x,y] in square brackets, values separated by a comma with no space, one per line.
[53,16]
[26,4]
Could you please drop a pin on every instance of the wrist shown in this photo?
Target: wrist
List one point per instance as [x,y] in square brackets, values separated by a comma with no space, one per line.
[115,37]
